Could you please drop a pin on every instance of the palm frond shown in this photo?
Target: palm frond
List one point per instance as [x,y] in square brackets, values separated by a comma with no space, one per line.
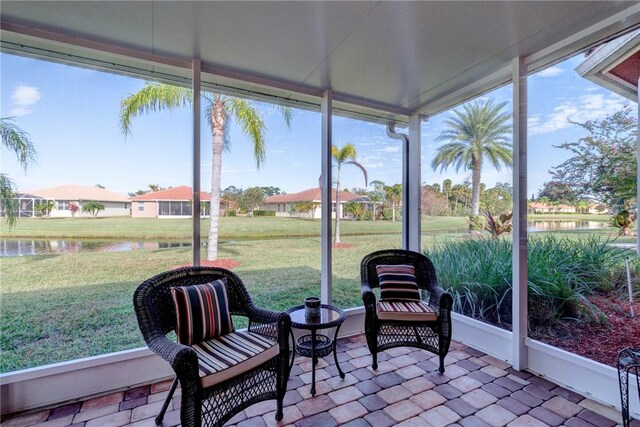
[7,206]
[17,140]
[248,118]
[152,97]
[362,168]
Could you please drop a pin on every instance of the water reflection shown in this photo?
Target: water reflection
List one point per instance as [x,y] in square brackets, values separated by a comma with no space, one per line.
[26,247]
[544,225]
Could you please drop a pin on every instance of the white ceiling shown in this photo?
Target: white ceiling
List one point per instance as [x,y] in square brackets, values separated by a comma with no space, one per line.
[396,57]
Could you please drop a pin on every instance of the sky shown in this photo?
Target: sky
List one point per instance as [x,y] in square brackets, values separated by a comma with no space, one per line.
[72,117]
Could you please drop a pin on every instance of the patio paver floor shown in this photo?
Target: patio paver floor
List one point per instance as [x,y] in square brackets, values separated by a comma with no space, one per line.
[479,391]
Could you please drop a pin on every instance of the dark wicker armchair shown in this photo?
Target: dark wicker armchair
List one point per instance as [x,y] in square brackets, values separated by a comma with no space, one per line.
[433,334]
[213,402]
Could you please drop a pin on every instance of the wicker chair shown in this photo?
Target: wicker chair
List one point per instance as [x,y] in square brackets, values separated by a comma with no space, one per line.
[433,335]
[213,405]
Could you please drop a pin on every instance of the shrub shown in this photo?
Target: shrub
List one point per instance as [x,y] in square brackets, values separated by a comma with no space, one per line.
[562,274]
[230,213]
[259,212]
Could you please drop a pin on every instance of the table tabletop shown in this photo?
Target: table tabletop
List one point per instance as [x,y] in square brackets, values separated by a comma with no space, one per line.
[330,316]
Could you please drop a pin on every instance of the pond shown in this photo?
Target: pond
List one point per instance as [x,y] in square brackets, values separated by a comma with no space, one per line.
[560,225]
[28,247]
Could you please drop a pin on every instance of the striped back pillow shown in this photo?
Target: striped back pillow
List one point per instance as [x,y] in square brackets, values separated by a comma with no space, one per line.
[398,282]
[202,311]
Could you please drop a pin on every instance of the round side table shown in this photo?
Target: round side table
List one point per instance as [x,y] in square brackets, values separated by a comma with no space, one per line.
[316,345]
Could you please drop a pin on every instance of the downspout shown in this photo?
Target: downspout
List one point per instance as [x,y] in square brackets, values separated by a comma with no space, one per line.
[406,203]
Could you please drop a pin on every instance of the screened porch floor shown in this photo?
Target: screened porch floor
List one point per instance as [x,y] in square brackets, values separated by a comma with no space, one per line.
[406,390]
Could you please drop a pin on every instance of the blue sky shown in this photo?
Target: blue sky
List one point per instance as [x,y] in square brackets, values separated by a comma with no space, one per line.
[71,115]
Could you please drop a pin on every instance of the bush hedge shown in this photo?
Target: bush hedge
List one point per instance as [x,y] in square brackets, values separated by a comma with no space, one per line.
[259,212]
[563,273]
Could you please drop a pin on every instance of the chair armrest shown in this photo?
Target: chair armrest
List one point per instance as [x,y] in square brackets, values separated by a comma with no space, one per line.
[441,299]
[182,358]
[272,324]
[368,297]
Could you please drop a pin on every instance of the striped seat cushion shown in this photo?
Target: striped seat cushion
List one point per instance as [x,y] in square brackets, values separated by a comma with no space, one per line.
[232,354]
[398,282]
[202,311]
[406,310]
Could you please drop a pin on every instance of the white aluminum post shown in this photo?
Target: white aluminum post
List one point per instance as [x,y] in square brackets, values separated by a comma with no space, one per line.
[638,177]
[413,180]
[195,208]
[325,182]
[519,271]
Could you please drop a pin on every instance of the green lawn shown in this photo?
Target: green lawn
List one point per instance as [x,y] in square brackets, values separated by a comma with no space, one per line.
[67,306]
[180,229]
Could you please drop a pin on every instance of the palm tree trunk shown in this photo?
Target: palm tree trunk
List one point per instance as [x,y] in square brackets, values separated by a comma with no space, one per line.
[337,239]
[393,211]
[475,189]
[218,119]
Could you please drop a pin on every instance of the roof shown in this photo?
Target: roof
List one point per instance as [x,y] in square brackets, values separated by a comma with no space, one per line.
[183,192]
[615,65]
[310,195]
[382,59]
[80,193]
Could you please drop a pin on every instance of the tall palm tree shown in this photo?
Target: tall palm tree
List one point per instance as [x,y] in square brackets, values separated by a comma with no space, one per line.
[16,140]
[220,110]
[477,132]
[344,156]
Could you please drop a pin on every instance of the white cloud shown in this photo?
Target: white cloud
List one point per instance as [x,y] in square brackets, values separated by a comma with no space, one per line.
[389,149]
[550,72]
[580,109]
[24,97]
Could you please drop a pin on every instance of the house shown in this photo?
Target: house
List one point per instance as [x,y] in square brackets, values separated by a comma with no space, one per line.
[540,207]
[174,202]
[65,196]
[307,203]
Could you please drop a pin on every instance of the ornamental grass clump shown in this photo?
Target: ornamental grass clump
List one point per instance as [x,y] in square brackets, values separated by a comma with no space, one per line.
[563,273]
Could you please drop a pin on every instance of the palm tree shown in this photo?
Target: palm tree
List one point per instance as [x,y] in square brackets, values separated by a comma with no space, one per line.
[344,156]
[16,140]
[479,131]
[393,194]
[219,110]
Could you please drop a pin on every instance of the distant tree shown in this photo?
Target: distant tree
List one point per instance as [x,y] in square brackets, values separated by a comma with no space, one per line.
[139,192]
[307,207]
[478,131]
[341,157]
[271,191]
[376,197]
[558,191]
[393,194]
[45,207]
[623,221]
[252,198]
[155,187]
[433,203]
[16,140]
[603,163]
[356,209]
[436,187]
[73,208]
[92,208]
[497,199]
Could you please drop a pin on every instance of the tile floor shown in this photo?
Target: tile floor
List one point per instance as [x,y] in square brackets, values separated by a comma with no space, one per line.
[407,390]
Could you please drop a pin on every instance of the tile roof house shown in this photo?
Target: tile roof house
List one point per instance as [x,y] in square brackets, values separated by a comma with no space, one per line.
[174,202]
[288,204]
[65,195]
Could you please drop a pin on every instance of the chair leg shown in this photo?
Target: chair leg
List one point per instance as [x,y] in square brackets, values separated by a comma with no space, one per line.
[374,355]
[441,369]
[279,414]
[165,405]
